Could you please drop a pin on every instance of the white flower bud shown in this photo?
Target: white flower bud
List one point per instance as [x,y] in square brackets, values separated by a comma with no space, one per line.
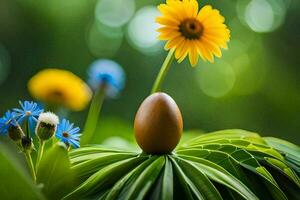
[46,126]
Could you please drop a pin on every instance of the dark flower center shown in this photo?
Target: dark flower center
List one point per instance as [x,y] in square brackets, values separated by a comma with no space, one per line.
[56,97]
[46,125]
[65,134]
[191,29]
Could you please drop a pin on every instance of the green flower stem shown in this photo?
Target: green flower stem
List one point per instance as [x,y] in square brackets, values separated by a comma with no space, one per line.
[27,129]
[93,116]
[61,111]
[54,140]
[19,145]
[40,154]
[163,71]
[30,164]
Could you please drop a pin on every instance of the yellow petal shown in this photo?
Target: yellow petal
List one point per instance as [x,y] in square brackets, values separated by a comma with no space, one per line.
[168,36]
[183,51]
[193,55]
[166,21]
[204,12]
[180,51]
[174,42]
[206,54]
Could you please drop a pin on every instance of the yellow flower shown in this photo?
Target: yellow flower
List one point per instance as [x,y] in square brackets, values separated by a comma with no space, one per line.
[60,87]
[192,33]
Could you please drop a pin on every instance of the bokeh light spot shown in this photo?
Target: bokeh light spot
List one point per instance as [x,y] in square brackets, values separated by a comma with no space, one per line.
[216,80]
[263,15]
[259,16]
[114,13]
[142,30]
[103,40]
[249,66]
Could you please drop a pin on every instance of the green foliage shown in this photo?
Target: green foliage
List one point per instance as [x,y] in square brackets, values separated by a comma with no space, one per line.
[54,173]
[290,151]
[229,164]
[15,182]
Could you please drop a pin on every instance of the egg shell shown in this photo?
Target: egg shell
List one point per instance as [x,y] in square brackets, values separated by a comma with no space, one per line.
[158,124]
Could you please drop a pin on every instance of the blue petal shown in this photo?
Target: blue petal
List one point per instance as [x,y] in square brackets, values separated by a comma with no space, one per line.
[107,72]
[66,126]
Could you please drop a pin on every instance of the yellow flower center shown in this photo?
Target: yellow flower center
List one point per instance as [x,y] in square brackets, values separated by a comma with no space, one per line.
[191,29]
[65,134]
[28,113]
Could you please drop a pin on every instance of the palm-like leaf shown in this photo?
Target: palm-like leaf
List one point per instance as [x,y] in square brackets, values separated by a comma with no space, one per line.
[229,164]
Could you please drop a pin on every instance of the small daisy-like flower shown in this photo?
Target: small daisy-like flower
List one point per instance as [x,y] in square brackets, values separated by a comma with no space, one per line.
[108,74]
[68,134]
[30,111]
[47,124]
[60,87]
[192,33]
[6,121]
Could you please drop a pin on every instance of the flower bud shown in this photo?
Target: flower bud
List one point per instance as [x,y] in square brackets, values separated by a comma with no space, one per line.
[158,124]
[46,126]
[15,132]
[26,143]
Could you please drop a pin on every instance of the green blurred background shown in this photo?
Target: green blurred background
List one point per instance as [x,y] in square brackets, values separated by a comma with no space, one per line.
[254,86]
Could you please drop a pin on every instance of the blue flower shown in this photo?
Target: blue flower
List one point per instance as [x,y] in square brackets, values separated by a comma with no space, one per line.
[68,134]
[30,111]
[7,120]
[109,74]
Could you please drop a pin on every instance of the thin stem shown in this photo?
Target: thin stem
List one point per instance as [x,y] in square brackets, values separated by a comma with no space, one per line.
[163,71]
[40,154]
[93,116]
[27,129]
[53,141]
[30,164]
[59,110]
[19,145]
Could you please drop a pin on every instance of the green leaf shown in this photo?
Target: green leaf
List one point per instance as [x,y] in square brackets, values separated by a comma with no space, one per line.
[105,177]
[95,162]
[228,134]
[126,182]
[285,182]
[220,175]
[238,143]
[146,179]
[54,172]
[188,187]
[16,182]
[167,183]
[283,146]
[93,149]
[199,179]
[271,184]
[236,160]
[225,164]
[284,168]
[289,150]
[222,158]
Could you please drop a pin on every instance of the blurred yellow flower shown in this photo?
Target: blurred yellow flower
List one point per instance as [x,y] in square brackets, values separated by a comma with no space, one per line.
[192,33]
[60,87]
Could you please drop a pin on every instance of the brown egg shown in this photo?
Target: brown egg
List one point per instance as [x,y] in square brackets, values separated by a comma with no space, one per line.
[158,124]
